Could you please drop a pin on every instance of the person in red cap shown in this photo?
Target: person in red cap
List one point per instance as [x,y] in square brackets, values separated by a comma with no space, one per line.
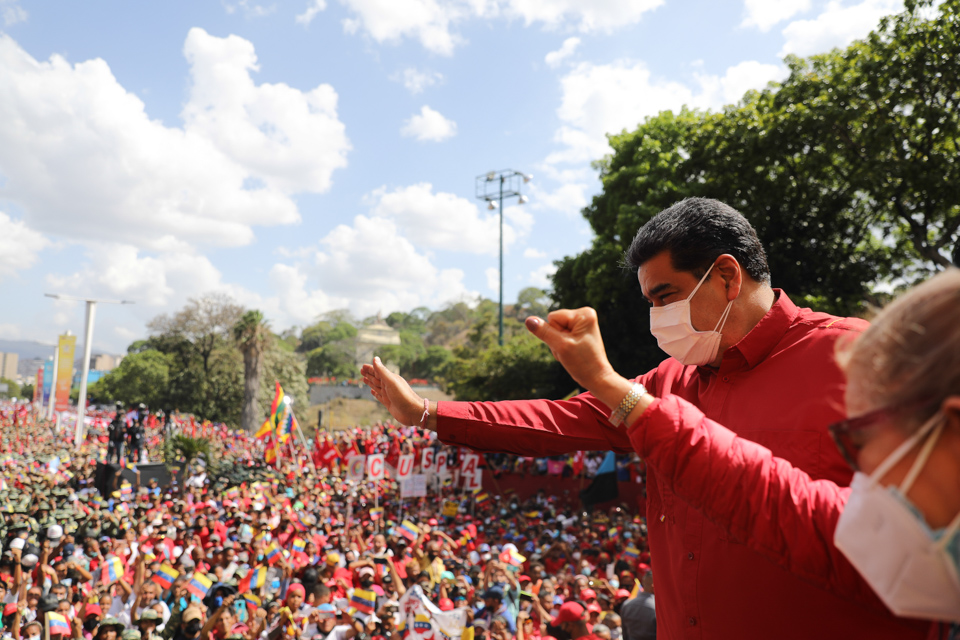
[572,619]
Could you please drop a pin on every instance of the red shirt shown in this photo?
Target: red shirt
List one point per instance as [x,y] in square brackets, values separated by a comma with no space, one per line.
[780,387]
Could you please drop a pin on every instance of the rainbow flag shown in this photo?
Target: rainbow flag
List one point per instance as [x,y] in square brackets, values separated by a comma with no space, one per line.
[253,580]
[272,553]
[112,570]
[299,545]
[199,585]
[631,552]
[363,601]
[58,624]
[165,576]
[409,530]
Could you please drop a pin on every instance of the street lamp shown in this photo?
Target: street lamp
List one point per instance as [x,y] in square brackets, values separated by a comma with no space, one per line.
[87,346]
[493,187]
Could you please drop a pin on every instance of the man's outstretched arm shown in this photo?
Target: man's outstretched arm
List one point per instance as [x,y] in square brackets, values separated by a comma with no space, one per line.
[523,427]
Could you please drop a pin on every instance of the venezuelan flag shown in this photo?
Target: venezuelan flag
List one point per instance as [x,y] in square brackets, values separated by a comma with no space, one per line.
[409,530]
[58,624]
[252,599]
[376,513]
[165,576]
[272,553]
[482,497]
[112,570]
[253,580]
[299,545]
[631,552]
[199,585]
[363,601]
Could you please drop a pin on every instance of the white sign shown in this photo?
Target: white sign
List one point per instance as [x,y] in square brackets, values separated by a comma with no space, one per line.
[441,465]
[414,486]
[426,461]
[375,468]
[473,481]
[471,462]
[355,468]
[405,466]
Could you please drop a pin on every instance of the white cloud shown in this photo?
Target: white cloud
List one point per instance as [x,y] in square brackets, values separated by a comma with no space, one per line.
[429,125]
[568,198]
[313,8]
[837,26]
[554,58]
[444,220]
[18,246]
[432,22]
[415,80]
[249,9]
[763,14]
[493,279]
[540,277]
[530,252]
[367,267]
[243,151]
[12,12]
[587,17]
[607,98]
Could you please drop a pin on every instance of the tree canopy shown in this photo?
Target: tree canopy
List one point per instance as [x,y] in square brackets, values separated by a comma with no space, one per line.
[847,169]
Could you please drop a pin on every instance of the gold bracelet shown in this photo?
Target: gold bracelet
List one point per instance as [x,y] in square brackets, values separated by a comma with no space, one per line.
[627,404]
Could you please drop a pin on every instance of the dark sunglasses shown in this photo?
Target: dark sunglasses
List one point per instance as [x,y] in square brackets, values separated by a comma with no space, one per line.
[844,432]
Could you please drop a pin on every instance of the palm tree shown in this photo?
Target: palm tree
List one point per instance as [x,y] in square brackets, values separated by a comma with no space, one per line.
[252,335]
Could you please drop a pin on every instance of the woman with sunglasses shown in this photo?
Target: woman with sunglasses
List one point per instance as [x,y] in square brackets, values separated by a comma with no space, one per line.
[891,538]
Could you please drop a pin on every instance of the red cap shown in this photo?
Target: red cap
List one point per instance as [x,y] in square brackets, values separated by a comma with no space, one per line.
[446,604]
[9,608]
[92,610]
[588,594]
[432,522]
[622,593]
[594,607]
[523,578]
[569,612]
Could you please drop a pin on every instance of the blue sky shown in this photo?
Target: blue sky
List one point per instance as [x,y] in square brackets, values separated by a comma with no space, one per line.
[311,155]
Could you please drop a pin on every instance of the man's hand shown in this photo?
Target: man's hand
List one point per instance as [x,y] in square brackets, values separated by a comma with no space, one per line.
[574,338]
[394,393]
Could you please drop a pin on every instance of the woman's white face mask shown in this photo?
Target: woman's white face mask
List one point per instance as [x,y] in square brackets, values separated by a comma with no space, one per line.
[914,569]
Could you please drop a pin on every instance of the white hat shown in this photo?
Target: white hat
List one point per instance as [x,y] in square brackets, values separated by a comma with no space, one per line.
[55,532]
[17,543]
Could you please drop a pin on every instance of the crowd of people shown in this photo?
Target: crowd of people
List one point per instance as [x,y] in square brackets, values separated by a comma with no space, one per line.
[233,548]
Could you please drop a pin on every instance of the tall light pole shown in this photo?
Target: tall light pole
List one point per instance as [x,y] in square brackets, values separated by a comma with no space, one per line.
[87,346]
[493,187]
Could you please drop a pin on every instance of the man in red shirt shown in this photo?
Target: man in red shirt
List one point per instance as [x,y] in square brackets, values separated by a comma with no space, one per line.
[572,620]
[751,360]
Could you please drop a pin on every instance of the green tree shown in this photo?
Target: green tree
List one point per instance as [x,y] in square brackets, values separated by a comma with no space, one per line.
[847,170]
[522,368]
[13,389]
[252,335]
[141,377]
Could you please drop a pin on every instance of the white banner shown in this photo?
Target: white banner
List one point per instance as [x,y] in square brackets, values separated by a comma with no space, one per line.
[414,486]
[405,466]
[473,481]
[427,461]
[375,470]
[423,620]
[355,468]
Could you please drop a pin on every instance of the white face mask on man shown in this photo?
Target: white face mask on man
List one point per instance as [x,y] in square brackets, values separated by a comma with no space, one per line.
[912,568]
[672,327]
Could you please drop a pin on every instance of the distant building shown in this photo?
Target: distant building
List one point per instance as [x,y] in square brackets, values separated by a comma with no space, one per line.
[104,362]
[27,369]
[8,365]
[372,337]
